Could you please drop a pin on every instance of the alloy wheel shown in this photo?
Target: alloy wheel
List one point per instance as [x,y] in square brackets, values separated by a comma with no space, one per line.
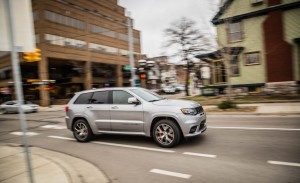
[164,134]
[81,131]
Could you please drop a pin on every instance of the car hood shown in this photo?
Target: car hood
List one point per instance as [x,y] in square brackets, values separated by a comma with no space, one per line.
[179,103]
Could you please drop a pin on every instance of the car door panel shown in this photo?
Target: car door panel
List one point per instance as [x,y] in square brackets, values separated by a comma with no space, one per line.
[128,118]
[99,110]
[100,115]
[125,117]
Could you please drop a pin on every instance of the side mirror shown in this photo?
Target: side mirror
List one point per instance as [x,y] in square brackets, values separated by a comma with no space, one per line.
[133,100]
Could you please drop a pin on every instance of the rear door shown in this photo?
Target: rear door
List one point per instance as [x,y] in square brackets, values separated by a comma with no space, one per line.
[99,110]
[125,117]
[80,105]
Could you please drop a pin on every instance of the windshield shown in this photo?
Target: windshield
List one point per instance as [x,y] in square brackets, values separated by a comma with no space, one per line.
[147,95]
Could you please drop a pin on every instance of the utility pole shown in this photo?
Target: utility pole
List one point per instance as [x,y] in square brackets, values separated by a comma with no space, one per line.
[130,45]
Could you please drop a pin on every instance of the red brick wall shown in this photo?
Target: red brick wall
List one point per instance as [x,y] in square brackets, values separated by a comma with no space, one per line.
[278,52]
[273,2]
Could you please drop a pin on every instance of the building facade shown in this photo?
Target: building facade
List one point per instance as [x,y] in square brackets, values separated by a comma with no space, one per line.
[259,46]
[84,45]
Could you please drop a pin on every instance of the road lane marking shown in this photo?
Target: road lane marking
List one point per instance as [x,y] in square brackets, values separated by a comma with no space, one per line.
[252,128]
[118,145]
[27,133]
[56,127]
[134,147]
[200,154]
[62,138]
[174,174]
[284,163]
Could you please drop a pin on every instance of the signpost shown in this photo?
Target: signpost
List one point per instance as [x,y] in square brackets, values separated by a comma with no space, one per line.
[17,35]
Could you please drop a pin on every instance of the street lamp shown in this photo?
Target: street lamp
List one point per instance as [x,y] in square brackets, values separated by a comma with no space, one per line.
[142,62]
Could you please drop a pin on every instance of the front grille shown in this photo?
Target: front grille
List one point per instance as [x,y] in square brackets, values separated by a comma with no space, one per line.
[199,109]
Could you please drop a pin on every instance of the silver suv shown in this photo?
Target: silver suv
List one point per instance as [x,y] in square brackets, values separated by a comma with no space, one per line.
[133,111]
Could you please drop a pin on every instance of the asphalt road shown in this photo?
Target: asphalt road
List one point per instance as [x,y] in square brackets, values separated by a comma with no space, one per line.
[233,149]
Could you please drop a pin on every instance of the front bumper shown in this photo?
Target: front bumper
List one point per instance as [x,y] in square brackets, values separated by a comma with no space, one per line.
[199,131]
[193,125]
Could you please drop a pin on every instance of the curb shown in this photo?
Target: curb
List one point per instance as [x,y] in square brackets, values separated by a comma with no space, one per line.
[58,166]
[251,113]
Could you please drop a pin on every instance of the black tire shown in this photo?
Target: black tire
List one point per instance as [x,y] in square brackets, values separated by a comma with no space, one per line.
[166,133]
[82,131]
[3,111]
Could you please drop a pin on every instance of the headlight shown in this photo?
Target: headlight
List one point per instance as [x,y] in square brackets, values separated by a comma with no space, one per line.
[189,111]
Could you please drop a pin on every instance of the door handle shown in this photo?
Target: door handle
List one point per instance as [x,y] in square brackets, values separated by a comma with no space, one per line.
[114,107]
[89,107]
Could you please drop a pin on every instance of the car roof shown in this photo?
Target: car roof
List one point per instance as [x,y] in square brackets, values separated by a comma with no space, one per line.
[107,89]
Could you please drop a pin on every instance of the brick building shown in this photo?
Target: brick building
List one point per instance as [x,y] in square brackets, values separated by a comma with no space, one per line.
[84,45]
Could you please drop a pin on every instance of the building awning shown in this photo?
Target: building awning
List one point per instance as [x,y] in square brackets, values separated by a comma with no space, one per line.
[233,50]
[216,55]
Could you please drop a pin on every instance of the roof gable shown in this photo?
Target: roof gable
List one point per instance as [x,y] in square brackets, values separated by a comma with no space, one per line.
[240,9]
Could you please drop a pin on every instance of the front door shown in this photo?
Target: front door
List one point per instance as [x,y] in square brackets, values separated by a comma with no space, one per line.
[125,117]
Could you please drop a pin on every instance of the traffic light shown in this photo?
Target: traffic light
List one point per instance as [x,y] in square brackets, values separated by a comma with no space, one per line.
[33,56]
[143,76]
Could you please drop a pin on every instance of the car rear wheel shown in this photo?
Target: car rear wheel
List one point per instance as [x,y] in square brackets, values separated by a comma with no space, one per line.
[82,131]
[166,133]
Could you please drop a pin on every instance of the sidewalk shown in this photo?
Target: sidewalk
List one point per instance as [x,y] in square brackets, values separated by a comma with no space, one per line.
[279,108]
[264,109]
[52,108]
[48,167]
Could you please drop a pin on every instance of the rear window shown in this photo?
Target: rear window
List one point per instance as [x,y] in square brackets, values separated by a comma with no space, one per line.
[83,98]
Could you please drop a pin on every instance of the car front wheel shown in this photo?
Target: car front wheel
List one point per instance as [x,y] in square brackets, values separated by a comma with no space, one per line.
[82,131]
[166,133]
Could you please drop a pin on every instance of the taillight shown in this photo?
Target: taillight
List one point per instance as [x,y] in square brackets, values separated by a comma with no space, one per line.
[67,109]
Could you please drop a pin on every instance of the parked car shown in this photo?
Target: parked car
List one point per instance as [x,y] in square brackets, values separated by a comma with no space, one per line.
[157,91]
[168,89]
[179,88]
[13,107]
[133,111]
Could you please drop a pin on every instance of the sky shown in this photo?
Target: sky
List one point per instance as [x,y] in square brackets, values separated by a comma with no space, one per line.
[152,17]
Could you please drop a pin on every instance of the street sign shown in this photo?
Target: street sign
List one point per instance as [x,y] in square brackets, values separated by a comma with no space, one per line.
[127,67]
[16,32]
[22,21]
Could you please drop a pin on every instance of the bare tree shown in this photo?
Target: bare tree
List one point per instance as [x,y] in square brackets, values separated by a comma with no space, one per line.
[187,39]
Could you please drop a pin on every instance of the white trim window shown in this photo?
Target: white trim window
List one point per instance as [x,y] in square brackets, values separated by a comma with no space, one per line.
[252,58]
[235,32]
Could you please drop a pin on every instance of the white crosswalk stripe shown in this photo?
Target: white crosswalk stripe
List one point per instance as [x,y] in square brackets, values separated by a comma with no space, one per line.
[28,133]
[56,127]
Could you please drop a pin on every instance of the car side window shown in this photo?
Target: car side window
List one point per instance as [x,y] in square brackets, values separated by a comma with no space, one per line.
[10,103]
[100,97]
[83,98]
[120,97]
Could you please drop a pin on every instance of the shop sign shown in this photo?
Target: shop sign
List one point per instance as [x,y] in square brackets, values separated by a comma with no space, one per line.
[40,82]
